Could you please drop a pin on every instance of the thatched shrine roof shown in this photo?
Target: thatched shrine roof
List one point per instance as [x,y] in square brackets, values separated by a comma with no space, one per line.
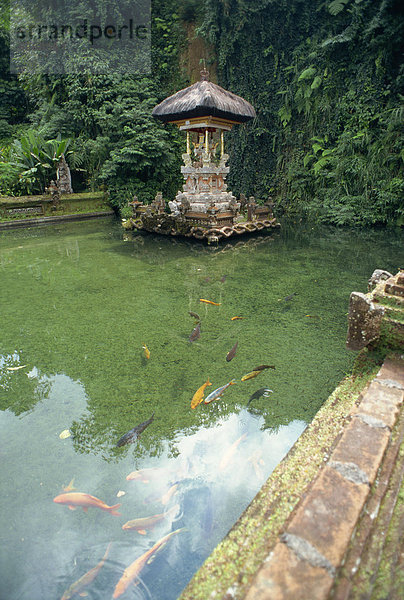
[203,99]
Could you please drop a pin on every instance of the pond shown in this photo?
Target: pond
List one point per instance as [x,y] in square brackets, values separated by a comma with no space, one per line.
[79,301]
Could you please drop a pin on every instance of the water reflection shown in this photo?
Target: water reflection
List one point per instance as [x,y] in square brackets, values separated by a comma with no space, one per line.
[212,477]
[21,386]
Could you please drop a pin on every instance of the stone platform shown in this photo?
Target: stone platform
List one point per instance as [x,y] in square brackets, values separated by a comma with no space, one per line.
[329,522]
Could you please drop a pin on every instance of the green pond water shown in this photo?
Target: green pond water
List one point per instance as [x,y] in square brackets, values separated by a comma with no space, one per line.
[78,302]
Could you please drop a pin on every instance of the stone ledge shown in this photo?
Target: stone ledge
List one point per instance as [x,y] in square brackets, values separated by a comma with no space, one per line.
[302,581]
[379,534]
[382,402]
[363,446]
[392,370]
[327,515]
[14,223]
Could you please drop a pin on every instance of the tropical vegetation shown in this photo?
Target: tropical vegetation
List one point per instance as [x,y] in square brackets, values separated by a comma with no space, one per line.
[325,77]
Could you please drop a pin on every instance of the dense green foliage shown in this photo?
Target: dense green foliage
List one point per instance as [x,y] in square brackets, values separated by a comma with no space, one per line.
[29,163]
[325,79]
[114,140]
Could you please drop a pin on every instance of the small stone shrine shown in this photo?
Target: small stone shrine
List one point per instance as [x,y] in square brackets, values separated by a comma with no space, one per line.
[204,208]
[64,179]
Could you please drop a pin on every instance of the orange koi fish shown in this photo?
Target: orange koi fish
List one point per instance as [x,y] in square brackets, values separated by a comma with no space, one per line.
[250,375]
[209,302]
[75,499]
[78,586]
[227,456]
[236,318]
[134,569]
[257,462]
[198,396]
[146,351]
[215,395]
[165,498]
[143,523]
[69,487]
[143,475]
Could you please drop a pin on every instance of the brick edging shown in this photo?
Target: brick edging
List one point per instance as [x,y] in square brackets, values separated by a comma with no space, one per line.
[305,560]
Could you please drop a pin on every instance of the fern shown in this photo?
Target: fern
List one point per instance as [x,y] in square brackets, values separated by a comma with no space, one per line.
[337,6]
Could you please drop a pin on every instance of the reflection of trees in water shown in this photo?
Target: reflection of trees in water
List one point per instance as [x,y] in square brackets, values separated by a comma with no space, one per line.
[23,387]
[157,249]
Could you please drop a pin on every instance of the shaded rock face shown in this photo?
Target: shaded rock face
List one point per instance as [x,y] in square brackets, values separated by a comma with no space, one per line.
[379,314]
[364,321]
[378,275]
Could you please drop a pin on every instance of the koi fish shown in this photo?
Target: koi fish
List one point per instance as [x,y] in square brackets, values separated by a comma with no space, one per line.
[287,298]
[232,352]
[23,366]
[143,523]
[262,367]
[215,395]
[209,302]
[261,392]
[194,315]
[250,375]
[198,396]
[78,586]
[143,475]
[165,499]
[69,487]
[236,318]
[257,463]
[132,572]
[75,499]
[196,333]
[227,456]
[134,433]
[146,351]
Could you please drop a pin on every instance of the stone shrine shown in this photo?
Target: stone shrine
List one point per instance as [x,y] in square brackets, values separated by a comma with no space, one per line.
[205,111]
[64,179]
[204,209]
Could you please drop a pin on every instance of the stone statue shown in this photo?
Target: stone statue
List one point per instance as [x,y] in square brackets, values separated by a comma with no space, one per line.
[64,179]
[251,206]
[243,202]
[223,160]
[55,194]
[174,208]
[185,206]
[187,160]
